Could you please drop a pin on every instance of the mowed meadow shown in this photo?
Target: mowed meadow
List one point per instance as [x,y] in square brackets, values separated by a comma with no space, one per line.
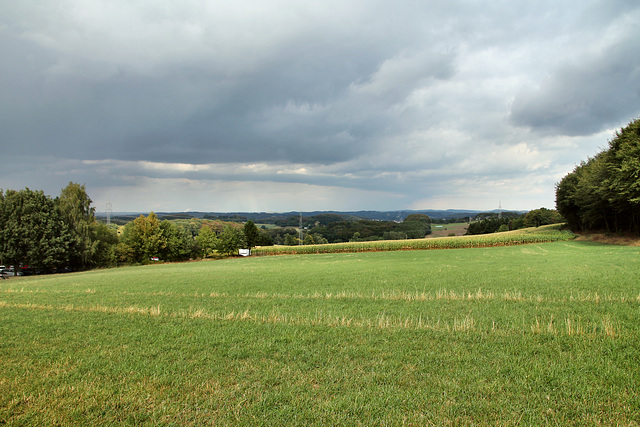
[544,333]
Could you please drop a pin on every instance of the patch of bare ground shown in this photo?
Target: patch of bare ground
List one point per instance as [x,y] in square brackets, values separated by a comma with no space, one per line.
[610,239]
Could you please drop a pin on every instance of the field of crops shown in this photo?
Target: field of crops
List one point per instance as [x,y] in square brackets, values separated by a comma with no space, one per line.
[549,233]
[534,334]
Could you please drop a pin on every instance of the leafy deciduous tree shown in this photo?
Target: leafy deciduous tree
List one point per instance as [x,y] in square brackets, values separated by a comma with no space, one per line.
[291,240]
[75,206]
[145,237]
[542,216]
[251,234]
[207,241]
[604,191]
[231,239]
[32,230]
[180,244]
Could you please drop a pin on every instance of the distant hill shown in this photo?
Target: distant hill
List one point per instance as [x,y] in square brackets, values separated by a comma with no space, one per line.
[270,217]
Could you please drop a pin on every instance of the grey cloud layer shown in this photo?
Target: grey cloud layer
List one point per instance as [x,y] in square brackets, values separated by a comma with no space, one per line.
[363,94]
[590,88]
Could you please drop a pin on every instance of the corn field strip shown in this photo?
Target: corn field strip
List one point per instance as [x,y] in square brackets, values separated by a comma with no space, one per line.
[543,234]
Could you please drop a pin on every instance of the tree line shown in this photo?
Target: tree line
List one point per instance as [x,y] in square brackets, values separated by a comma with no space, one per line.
[491,222]
[603,192]
[50,234]
[334,228]
[53,233]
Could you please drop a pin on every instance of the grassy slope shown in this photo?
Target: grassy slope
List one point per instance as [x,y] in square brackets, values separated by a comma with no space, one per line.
[528,334]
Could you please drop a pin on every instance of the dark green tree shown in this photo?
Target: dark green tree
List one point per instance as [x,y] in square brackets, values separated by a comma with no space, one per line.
[603,193]
[566,203]
[516,223]
[593,196]
[180,244]
[291,240]
[104,242]
[357,237]
[416,226]
[623,184]
[144,237]
[418,218]
[251,234]
[319,239]
[264,239]
[75,206]
[207,241]
[32,230]
[542,216]
[394,235]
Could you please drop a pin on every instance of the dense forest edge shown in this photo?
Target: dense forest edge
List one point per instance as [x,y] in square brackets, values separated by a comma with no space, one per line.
[603,192]
[41,234]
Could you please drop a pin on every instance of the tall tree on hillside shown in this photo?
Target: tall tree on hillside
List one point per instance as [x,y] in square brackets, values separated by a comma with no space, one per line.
[144,237]
[32,230]
[566,202]
[251,234]
[624,173]
[231,239]
[418,217]
[604,191]
[75,207]
[416,226]
[104,243]
[542,216]
[207,241]
[180,242]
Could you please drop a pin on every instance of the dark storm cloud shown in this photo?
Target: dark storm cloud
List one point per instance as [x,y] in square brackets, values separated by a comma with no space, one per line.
[417,99]
[292,102]
[594,86]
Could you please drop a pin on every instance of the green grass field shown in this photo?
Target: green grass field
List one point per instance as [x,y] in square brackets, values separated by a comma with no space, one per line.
[444,230]
[514,335]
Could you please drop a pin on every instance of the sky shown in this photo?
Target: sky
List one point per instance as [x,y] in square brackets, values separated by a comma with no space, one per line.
[287,105]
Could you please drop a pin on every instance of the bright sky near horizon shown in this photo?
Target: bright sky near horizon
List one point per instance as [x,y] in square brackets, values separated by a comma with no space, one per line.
[297,105]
